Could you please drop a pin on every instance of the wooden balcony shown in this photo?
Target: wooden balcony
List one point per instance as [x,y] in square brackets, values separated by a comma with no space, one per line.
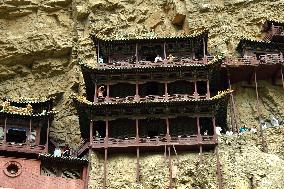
[22,148]
[190,140]
[149,98]
[274,33]
[267,59]
[149,64]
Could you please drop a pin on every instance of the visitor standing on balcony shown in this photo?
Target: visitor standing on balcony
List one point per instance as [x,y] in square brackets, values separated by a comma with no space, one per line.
[101,91]
[158,59]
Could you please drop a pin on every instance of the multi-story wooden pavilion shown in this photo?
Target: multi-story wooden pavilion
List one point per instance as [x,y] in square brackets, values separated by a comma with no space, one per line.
[25,161]
[149,102]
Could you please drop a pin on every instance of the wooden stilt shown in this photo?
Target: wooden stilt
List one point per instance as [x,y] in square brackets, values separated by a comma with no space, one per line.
[47,135]
[208,89]
[30,130]
[170,168]
[263,142]
[200,153]
[96,95]
[165,54]
[282,78]
[214,129]
[137,165]
[5,130]
[91,129]
[198,129]
[88,171]
[136,53]
[219,175]
[105,169]
[232,107]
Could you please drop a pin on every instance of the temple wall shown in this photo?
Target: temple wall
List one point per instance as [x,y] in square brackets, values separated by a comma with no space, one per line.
[30,178]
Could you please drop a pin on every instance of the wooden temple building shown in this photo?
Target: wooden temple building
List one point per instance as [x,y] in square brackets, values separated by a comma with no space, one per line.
[138,101]
[25,161]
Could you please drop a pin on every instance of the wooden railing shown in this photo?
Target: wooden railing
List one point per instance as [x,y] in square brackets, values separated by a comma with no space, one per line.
[24,148]
[164,63]
[152,141]
[252,60]
[149,98]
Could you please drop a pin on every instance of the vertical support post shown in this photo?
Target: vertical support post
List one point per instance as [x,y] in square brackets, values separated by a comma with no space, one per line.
[136,53]
[47,134]
[98,53]
[166,90]
[137,91]
[214,129]
[168,130]
[219,175]
[232,107]
[208,89]
[198,129]
[107,97]
[200,154]
[96,95]
[91,129]
[204,51]
[30,130]
[170,168]
[165,54]
[106,151]
[137,152]
[282,78]
[5,130]
[195,90]
[259,115]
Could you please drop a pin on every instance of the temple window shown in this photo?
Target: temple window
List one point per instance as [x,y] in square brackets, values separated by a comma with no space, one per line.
[152,128]
[151,88]
[99,130]
[122,90]
[183,126]
[122,128]
[17,135]
[206,126]
[201,88]
[181,87]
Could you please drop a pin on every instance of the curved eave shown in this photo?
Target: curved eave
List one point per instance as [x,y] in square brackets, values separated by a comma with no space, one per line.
[33,101]
[202,34]
[63,160]
[244,43]
[25,116]
[213,100]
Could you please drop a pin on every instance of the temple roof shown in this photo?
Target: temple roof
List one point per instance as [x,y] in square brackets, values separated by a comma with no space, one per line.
[258,44]
[139,39]
[22,114]
[68,160]
[43,101]
[268,23]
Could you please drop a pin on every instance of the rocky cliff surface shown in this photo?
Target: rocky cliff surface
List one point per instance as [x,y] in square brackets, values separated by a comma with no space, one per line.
[41,41]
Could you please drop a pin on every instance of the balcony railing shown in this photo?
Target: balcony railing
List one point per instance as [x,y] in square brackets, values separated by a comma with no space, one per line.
[149,98]
[252,60]
[23,148]
[148,64]
[153,141]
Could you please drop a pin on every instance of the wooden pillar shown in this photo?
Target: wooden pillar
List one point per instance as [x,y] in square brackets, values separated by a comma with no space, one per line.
[200,153]
[137,91]
[98,52]
[165,54]
[282,78]
[198,129]
[136,53]
[214,129]
[263,142]
[106,152]
[30,131]
[168,129]
[204,51]
[107,97]
[5,130]
[170,168]
[91,129]
[208,89]
[47,135]
[219,175]
[96,95]
[232,107]
[195,90]
[166,90]
[137,152]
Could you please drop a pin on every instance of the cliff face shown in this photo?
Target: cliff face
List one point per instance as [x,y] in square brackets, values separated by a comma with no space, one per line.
[41,40]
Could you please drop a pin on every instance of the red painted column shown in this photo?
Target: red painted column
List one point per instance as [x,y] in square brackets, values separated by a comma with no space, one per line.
[208,89]
[195,90]
[137,91]
[47,135]
[198,129]
[91,129]
[106,154]
[137,152]
[107,97]
[165,54]
[96,95]
[168,130]
[166,90]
